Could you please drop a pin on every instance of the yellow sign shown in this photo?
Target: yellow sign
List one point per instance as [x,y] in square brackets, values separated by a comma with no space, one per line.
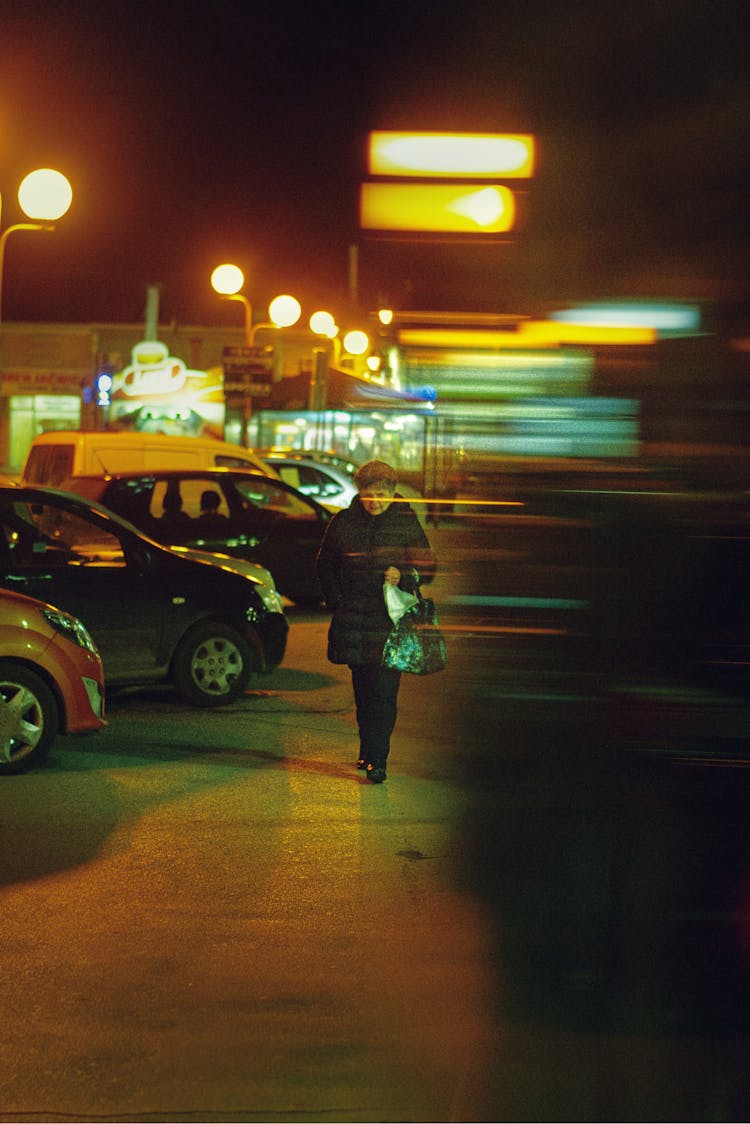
[460,208]
[456,155]
[529,334]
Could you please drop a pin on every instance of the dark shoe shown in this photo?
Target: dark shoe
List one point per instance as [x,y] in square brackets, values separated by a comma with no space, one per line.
[377,776]
[361,763]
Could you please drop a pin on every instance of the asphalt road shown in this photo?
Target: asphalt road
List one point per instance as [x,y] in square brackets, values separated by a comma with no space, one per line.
[213,916]
[542,915]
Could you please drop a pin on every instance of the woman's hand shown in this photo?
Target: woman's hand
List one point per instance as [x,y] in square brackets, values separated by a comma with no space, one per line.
[393,575]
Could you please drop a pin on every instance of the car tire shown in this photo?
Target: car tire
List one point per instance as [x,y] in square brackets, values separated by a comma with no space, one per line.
[29,718]
[212,665]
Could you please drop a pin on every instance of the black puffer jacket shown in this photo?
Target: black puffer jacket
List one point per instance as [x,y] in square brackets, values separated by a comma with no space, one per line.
[356,550]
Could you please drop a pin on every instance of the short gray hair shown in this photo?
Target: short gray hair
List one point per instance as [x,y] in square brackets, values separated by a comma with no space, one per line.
[375,472]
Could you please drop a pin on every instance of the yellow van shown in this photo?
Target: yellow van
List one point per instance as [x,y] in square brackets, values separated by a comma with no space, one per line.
[57,455]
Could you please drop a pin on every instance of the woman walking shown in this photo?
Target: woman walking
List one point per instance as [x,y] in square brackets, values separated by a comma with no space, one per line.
[377,539]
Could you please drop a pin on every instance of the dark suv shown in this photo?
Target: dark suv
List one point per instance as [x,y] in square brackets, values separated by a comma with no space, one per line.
[157,616]
[255,517]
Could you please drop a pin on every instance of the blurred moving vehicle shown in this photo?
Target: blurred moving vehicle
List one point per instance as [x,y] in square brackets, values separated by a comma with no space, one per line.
[58,454]
[330,484]
[156,615]
[256,518]
[51,680]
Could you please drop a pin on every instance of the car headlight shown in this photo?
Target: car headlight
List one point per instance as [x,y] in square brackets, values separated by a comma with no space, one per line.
[269,596]
[70,627]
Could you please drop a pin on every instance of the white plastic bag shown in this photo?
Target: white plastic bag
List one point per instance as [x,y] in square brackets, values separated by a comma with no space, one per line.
[397,601]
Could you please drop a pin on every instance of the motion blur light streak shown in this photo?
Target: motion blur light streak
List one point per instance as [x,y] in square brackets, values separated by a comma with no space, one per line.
[534,333]
[517,602]
[445,208]
[483,155]
[666,319]
[483,207]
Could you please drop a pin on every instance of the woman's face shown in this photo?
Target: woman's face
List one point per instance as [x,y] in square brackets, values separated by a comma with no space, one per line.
[377,498]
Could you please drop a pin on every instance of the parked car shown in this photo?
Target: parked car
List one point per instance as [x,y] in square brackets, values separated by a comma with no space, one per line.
[328,477]
[257,518]
[156,615]
[51,680]
[330,484]
[60,453]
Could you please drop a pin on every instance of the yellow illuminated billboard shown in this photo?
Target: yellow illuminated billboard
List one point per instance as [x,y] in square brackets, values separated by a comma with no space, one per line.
[451,155]
[458,208]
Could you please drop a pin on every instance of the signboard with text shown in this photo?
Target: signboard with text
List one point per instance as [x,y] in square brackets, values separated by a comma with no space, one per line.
[248,373]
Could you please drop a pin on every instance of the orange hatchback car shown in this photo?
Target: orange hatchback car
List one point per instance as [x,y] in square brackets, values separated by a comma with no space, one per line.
[51,680]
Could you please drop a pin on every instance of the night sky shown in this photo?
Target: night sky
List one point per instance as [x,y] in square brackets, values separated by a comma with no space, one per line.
[194,134]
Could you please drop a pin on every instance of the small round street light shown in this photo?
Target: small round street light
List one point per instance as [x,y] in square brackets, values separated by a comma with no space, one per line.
[45,195]
[227,280]
[356,342]
[323,324]
[284,311]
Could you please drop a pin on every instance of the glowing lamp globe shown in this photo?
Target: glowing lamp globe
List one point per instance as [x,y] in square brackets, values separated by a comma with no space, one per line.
[45,195]
[284,311]
[323,324]
[227,279]
[356,342]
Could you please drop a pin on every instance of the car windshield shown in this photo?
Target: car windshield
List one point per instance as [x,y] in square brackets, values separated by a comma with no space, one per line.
[266,494]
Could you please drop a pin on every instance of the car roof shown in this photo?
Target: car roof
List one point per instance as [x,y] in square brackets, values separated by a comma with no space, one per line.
[186,473]
[338,467]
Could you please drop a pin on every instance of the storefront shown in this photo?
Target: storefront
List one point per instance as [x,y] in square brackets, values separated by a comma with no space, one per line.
[43,371]
[102,376]
[362,420]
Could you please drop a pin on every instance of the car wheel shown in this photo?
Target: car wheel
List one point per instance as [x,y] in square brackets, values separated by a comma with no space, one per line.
[29,718]
[212,665]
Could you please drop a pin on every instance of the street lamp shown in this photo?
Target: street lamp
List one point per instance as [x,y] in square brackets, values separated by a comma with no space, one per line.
[227,280]
[44,196]
[283,311]
[355,342]
[322,323]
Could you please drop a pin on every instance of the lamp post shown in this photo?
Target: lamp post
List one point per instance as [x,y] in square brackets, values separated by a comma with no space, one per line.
[227,280]
[283,311]
[354,343]
[44,196]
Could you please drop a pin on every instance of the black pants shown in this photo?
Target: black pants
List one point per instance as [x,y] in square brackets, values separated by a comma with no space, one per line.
[376,696]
